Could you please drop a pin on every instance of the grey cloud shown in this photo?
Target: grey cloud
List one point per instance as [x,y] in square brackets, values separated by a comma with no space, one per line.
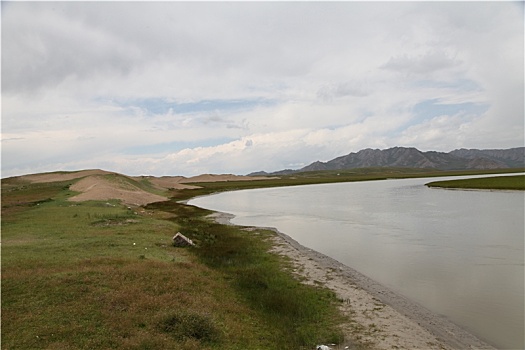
[13,139]
[46,43]
[42,48]
[333,91]
[214,118]
[422,64]
[218,120]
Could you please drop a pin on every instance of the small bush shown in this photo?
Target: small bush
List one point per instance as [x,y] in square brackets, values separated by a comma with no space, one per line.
[185,325]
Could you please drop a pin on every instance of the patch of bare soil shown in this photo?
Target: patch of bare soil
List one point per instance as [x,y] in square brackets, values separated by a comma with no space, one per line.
[98,187]
[170,182]
[180,182]
[55,177]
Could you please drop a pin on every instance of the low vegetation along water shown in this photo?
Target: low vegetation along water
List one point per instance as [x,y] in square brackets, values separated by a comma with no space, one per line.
[459,253]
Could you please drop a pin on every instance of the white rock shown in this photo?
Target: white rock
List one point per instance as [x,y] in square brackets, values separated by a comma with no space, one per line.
[179,240]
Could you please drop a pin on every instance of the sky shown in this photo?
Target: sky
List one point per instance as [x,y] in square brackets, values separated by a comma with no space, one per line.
[187,88]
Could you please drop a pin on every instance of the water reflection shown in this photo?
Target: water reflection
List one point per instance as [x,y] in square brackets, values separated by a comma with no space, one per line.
[459,253]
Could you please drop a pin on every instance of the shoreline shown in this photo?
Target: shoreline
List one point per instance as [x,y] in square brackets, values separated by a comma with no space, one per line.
[379,317]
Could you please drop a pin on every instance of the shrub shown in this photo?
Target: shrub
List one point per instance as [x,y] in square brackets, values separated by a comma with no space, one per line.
[185,325]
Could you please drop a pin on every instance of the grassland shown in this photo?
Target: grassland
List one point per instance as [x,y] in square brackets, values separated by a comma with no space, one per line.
[97,274]
[489,183]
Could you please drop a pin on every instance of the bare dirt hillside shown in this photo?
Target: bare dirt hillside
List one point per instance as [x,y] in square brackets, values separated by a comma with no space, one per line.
[96,184]
[97,187]
[180,182]
[62,176]
[168,182]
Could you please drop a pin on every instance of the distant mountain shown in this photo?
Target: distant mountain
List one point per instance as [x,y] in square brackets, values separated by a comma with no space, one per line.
[275,173]
[513,157]
[409,157]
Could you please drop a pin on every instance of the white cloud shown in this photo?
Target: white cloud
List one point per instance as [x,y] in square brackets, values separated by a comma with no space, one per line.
[191,87]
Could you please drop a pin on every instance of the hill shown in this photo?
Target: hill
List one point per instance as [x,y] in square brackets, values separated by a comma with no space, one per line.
[410,157]
[96,184]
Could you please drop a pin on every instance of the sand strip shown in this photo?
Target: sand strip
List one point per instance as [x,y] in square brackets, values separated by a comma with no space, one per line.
[380,318]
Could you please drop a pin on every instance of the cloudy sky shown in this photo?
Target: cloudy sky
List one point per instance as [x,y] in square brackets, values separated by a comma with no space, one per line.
[185,88]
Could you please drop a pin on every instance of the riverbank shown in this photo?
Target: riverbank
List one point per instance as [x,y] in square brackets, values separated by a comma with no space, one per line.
[380,318]
[513,183]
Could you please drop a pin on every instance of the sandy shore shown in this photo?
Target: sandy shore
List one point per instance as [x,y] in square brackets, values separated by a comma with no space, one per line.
[380,318]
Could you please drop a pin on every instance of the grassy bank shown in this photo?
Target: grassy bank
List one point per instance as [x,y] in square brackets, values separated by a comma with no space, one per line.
[98,275]
[298,315]
[330,176]
[493,183]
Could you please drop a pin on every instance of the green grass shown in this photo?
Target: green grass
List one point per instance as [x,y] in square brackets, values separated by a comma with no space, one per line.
[299,315]
[495,183]
[97,275]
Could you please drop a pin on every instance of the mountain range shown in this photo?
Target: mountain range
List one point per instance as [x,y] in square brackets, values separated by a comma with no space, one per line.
[410,157]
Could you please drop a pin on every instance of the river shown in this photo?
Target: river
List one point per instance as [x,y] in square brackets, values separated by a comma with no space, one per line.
[459,253]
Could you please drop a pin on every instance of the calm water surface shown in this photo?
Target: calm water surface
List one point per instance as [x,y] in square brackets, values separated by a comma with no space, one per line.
[458,253]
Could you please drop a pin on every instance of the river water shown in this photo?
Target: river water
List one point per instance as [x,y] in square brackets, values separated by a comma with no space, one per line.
[459,253]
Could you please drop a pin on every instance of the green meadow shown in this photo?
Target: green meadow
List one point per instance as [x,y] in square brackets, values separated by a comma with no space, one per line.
[516,182]
[101,275]
[98,275]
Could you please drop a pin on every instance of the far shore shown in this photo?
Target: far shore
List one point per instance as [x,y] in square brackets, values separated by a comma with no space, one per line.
[379,317]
